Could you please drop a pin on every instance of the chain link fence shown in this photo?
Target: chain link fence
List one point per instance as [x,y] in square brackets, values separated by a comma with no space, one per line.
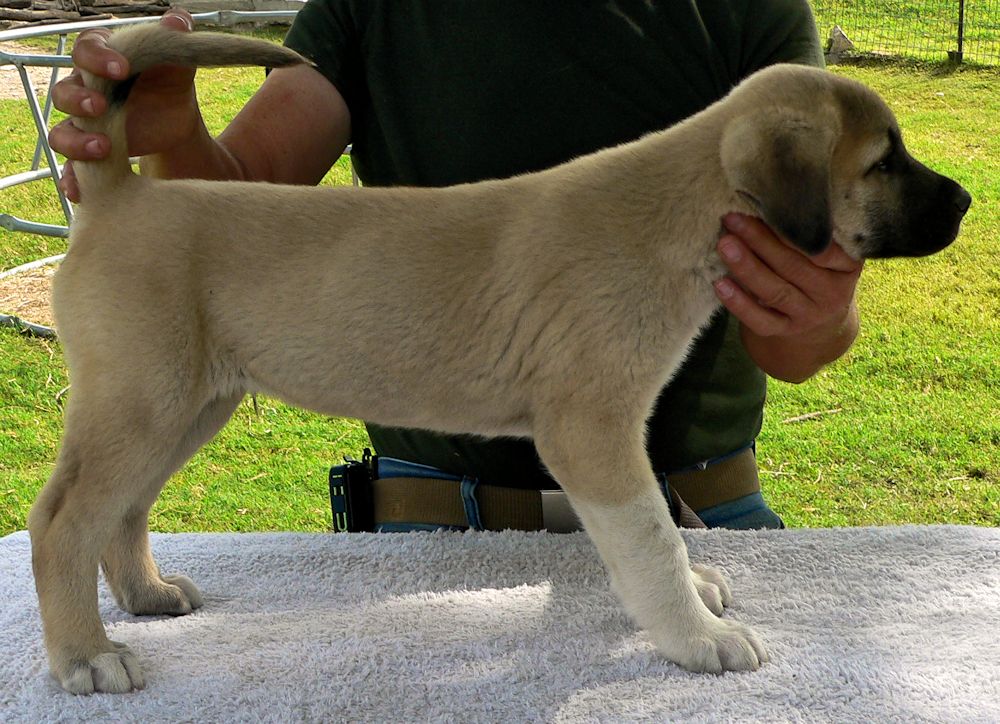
[959,30]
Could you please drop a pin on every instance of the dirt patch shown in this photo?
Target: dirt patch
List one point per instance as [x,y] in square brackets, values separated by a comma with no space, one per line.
[26,295]
[10,79]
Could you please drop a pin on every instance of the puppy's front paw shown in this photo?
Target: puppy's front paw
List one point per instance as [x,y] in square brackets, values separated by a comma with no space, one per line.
[116,671]
[712,588]
[716,646]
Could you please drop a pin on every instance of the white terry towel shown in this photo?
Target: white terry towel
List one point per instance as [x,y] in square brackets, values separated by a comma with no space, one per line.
[862,625]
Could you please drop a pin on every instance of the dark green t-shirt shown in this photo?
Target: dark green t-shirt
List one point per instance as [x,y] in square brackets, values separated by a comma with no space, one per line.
[451,91]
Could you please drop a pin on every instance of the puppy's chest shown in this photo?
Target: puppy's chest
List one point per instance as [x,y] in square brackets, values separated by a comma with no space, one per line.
[707,271]
[679,305]
[691,277]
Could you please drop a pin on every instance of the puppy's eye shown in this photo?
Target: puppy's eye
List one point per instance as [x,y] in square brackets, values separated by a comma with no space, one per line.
[882,166]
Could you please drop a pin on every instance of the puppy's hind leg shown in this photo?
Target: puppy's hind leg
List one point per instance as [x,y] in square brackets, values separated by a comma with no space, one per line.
[127,561]
[601,463]
[119,446]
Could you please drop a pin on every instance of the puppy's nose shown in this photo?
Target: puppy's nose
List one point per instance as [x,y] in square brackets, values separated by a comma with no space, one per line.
[963,200]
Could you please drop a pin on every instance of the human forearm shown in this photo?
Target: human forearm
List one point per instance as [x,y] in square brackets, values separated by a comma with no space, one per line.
[796,358]
[797,313]
[199,156]
[291,131]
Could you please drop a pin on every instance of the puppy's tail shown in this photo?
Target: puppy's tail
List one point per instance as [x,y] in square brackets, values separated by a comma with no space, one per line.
[146,46]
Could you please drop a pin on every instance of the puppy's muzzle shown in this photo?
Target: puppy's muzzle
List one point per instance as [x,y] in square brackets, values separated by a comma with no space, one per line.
[930,218]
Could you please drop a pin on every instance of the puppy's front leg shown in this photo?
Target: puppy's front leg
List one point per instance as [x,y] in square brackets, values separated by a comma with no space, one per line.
[614,491]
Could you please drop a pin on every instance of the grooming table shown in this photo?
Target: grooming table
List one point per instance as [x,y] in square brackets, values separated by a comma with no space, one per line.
[862,624]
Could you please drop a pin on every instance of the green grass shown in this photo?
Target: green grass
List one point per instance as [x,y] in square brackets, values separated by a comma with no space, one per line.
[920,29]
[916,438]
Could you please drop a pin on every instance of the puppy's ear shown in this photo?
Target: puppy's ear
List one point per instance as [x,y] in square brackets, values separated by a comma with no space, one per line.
[780,163]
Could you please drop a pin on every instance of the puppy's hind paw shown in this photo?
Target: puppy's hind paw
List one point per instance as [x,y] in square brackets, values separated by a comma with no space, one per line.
[189,591]
[170,595]
[115,672]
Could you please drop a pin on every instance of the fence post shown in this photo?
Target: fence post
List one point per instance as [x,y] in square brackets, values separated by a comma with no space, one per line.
[956,55]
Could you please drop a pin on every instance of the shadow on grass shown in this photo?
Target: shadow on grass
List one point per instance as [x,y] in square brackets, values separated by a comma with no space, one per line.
[929,68]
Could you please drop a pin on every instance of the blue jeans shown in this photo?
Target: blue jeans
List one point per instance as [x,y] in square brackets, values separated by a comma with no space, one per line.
[749,512]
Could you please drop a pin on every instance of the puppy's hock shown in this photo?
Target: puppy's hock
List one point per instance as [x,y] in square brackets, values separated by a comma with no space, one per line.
[146,46]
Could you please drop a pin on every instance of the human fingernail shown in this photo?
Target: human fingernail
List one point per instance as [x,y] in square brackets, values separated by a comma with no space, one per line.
[734,221]
[184,20]
[730,250]
[93,147]
[114,69]
[88,106]
[725,288]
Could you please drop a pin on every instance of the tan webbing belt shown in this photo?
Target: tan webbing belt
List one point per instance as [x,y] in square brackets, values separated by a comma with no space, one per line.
[729,479]
[433,501]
